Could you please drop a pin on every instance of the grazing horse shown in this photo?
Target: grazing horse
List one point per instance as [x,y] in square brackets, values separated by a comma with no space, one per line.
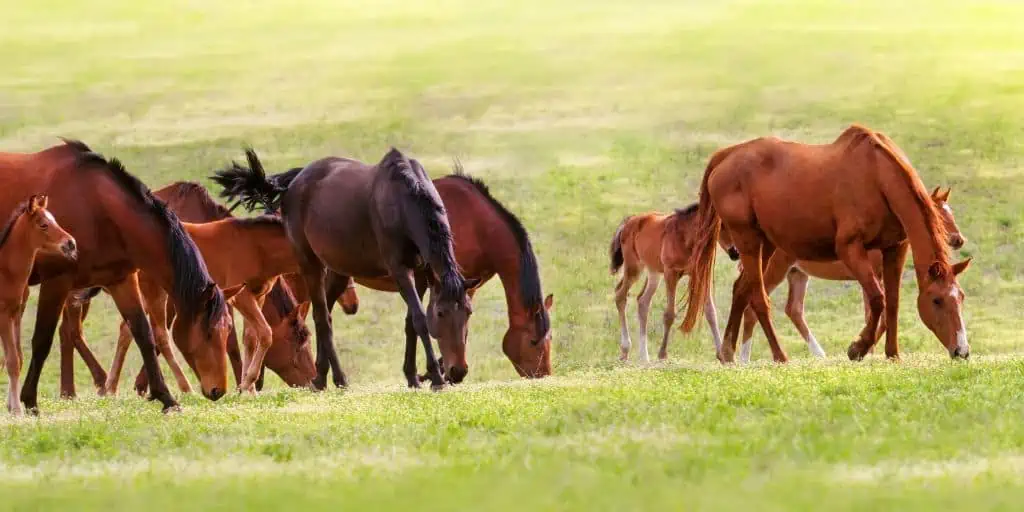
[30,230]
[659,243]
[489,240]
[380,221]
[286,357]
[797,277]
[825,202]
[119,228]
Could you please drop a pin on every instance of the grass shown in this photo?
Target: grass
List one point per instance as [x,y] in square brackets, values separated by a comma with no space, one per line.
[576,114]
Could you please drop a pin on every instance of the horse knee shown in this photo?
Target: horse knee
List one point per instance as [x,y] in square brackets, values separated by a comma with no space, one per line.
[419,324]
[668,317]
[876,303]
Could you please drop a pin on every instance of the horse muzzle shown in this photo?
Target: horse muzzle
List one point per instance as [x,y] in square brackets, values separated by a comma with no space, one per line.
[69,250]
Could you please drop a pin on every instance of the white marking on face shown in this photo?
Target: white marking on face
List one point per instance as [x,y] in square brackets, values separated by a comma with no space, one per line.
[961,334]
[49,216]
[948,209]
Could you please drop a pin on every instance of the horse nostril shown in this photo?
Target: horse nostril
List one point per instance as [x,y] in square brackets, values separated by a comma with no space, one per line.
[215,394]
[733,253]
[457,374]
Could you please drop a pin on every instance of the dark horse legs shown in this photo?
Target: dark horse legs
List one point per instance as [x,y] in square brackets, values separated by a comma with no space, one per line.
[52,295]
[407,287]
[409,367]
[326,357]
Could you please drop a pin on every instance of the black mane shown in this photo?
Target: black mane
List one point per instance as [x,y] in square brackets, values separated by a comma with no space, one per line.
[19,210]
[688,210]
[529,271]
[190,277]
[439,235]
[76,144]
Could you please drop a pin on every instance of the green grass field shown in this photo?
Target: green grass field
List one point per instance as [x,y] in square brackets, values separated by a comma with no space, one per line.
[576,113]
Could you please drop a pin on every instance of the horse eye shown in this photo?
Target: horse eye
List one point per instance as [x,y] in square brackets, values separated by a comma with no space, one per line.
[440,314]
[937,301]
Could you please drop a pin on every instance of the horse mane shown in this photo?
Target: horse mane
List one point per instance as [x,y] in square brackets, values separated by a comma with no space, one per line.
[76,145]
[190,277]
[259,220]
[190,189]
[687,210]
[19,210]
[282,298]
[933,222]
[432,212]
[529,271]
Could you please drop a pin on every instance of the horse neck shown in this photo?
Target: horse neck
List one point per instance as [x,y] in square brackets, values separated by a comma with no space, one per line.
[923,245]
[518,310]
[16,259]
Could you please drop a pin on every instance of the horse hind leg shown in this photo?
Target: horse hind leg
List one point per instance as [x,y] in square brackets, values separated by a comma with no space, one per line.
[749,290]
[644,310]
[629,276]
[798,282]
[671,280]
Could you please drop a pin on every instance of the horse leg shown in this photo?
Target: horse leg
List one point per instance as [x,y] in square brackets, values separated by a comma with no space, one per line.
[124,340]
[128,299]
[313,275]
[855,257]
[798,281]
[755,251]
[52,295]
[234,355]
[256,346]
[643,310]
[99,375]
[629,276]
[259,380]
[749,322]
[711,316]
[17,327]
[669,316]
[892,275]
[11,362]
[67,350]
[407,288]
[409,365]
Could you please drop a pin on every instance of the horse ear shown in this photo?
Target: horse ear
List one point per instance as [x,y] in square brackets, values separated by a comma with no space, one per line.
[935,193]
[471,283]
[37,202]
[960,267]
[549,301]
[229,293]
[303,310]
[936,270]
[945,196]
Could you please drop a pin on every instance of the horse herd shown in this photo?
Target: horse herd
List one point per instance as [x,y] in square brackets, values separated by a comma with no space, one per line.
[177,263]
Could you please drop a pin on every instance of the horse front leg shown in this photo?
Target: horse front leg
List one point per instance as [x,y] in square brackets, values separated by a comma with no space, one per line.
[52,296]
[11,362]
[407,288]
[855,257]
[256,346]
[96,370]
[892,276]
[409,364]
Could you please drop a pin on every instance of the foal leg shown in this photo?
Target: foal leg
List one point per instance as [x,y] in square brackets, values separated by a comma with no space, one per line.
[798,281]
[234,354]
[749,322]
[11,362]
[671,280]
[644,308]
[892,274]
[629,276]
[711,315]
[855,257]
[99,375]
[255,346]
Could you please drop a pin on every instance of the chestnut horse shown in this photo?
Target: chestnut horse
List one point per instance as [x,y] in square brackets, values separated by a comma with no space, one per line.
[822,203]
[489,241]
[30,230]
[659,243]
[380,221]
[797,277]
[239,252]
[119,228]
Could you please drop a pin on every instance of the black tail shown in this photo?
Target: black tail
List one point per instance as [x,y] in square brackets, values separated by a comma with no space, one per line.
[615,251]
[249,186]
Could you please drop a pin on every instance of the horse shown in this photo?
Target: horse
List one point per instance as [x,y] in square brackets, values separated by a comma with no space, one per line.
[119,228]
[380,221]
[827,202]
[250,253]
[489,241]
[798,275]
[192,203]
[660,244]
[31,230]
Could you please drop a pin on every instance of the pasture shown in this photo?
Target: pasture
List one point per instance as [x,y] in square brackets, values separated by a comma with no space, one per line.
[575,114]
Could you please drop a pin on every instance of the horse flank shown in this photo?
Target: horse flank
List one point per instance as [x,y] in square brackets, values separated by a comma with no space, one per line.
[190,278]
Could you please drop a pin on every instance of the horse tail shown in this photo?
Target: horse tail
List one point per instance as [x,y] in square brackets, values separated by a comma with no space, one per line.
[702,255]
[249,186]
[615,250]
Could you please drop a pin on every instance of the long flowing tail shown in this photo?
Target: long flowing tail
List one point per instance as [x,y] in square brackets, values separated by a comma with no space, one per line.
[249,186]
[615,250]
[702,255]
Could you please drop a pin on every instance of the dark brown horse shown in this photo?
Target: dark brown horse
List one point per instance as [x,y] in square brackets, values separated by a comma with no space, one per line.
[489,240]
[826,202]
[120,228]
[375,222]
[286,356]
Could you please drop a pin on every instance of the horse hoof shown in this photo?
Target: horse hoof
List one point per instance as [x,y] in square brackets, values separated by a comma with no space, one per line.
[32,411]
[854,352]
[437,387]
[662,356]
[173,409]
